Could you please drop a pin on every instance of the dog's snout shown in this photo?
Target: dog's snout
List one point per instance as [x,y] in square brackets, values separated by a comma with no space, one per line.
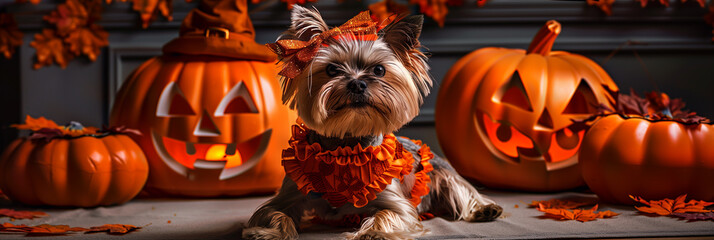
[357,86]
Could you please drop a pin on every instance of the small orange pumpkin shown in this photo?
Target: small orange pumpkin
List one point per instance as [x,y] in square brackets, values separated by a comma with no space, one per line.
[504,117]
[210,108]
[652,159]
[75,169]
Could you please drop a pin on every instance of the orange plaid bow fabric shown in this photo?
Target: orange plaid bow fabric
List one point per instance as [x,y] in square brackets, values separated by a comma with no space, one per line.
[297,54]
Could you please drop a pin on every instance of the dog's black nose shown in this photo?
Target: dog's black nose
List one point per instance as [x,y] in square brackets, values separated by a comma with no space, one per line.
[357,86]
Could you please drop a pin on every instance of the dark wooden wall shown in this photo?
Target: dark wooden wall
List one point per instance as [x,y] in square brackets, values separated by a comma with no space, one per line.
[676,49]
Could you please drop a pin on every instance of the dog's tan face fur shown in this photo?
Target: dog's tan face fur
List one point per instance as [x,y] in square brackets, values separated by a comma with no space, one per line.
[391,69]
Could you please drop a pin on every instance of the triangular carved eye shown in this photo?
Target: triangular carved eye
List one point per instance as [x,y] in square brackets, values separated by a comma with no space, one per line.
[513,93]
[173,103]
[238,100]
[583,100]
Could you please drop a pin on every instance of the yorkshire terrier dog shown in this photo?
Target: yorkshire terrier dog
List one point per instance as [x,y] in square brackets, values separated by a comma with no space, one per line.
[353,86]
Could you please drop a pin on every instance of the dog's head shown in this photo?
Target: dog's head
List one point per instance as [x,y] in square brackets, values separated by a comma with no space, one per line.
[354,86]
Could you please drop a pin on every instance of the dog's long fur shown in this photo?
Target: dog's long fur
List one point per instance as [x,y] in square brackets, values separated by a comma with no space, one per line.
[340,117]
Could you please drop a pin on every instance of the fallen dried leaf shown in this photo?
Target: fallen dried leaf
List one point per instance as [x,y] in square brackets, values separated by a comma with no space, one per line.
[10,35]
[117,229]
[4,212]
[43,229]
[699,216]
[571,203]
[668,206]
[580,215]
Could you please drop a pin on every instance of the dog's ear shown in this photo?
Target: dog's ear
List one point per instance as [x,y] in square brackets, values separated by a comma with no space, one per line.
[403,35]
[306,23]
[403,38]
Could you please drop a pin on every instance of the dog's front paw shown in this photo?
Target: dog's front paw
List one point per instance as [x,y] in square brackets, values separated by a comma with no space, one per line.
[376,235]
[261,233]
[486,213]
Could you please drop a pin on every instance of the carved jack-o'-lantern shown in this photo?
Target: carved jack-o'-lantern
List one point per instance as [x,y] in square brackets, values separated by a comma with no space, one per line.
[209,108]
[504,116]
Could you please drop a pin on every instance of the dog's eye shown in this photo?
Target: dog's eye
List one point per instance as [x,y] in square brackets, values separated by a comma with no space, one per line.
[332,70]
[379,71]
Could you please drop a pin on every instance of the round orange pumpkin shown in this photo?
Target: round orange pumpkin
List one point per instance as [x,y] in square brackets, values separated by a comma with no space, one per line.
[210,108]
[623,156]
[83,171]
[504,117]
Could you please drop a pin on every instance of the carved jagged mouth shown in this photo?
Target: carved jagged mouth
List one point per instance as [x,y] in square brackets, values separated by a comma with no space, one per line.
[234,159]
[516,146]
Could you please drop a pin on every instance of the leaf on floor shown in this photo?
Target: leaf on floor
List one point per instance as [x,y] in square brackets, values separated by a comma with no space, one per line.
[582,215]
[47,229]
[4,212]
[695,216]
[570,203]
[116,229]
[668,206]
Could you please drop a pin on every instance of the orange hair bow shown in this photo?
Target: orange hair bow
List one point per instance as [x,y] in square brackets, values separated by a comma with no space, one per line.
[296,54]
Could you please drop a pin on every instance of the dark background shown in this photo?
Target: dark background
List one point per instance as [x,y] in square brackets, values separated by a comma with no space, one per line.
[675,46]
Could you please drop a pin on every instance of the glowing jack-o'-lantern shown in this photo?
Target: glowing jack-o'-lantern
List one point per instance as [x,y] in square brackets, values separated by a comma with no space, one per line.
[209,108]
[504,117]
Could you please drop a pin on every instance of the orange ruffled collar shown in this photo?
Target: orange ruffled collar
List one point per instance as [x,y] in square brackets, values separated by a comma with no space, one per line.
[354,175]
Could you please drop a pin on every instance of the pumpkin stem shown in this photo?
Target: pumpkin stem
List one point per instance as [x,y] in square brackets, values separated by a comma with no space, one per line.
[72,125]
[543,41]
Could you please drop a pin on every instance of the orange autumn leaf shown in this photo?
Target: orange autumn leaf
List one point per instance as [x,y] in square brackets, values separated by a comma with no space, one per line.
[564,203]
[43,229]
[580,215]
[35,124]
[50,49]
[47,229]
[47,129]
[4,212]
[386,10]
[10,35]
[435,9]
[150,9]
[604,5]
[668,206]
[117,229]
[87,41]
[68,17]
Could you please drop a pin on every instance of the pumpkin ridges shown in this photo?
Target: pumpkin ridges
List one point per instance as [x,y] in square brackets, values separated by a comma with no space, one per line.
[90,175]
[12,179]
[46,177]
[119,110]
[475,156]
[591,73]
[657,171]
[599,138]
[594,69]
[466,60]
[118,169]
